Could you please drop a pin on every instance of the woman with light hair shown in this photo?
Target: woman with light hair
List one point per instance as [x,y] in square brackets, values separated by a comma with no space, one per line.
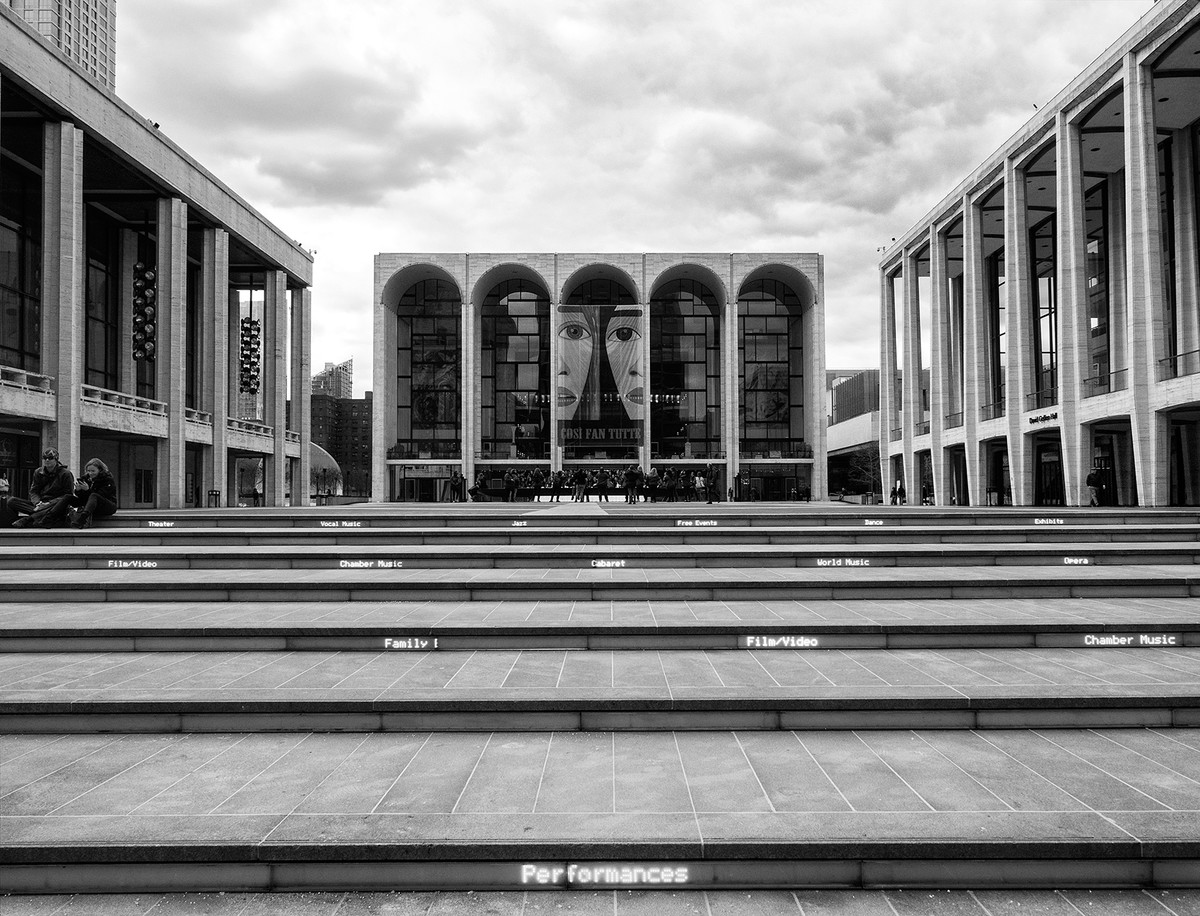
[95,495]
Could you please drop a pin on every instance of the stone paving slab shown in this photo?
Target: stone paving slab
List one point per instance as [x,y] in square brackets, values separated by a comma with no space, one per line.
[248,617]
[1121,773]
[572,675]
[1157,902]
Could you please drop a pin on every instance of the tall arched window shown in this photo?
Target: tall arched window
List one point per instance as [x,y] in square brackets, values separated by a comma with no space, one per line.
[600,390]
[429,371]
[685,370]
[515,371]
[771,367]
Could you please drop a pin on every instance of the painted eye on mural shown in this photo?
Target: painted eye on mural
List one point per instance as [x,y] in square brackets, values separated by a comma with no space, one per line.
[575,331]
[623,334]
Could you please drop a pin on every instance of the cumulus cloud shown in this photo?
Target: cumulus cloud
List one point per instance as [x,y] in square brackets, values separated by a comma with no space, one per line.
[525,125]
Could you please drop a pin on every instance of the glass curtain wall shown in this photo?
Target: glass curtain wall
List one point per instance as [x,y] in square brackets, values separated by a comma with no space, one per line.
[953,322]
[102,337]
[1166,210]
[601,393]
[515,371]
[924,336]
[1042,243]
[20,267]
[685,371]
[248,295]
[771,367]
[429,372]
[1095,206]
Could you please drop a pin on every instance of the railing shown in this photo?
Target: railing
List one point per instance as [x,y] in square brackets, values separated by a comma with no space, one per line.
[427,451]
[1104,384]
[802,450]
[922,428]
[23,378]
[1179,365]
[896,434]
[991,411]
[289,436]
[1046,397]
[954,420]
[197,416]
[123,401]
[250,426]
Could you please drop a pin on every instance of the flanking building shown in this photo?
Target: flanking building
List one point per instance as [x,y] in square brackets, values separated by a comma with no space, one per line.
[1041,323]
[148,315]
[547,362]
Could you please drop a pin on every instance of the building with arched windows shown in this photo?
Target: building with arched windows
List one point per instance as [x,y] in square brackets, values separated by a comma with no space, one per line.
[546,362]
[149,316]
[1041,325]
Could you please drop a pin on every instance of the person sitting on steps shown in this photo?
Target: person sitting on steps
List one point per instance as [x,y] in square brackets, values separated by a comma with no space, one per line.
[95,495]
[52,482]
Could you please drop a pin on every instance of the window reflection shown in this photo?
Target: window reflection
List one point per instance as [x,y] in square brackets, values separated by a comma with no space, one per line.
[429,371]
[515,371]
[685,371]
[771,364]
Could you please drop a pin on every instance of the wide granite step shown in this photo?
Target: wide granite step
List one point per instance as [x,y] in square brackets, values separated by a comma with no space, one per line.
[586,902]
[598,690]
[1063,808]
[540,532]
[468,516]
[565,555]
[422,626]
[597,579]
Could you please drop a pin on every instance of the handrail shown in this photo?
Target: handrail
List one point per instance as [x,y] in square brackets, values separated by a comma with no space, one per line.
[1045,397]
[1179,365]
[1117,380]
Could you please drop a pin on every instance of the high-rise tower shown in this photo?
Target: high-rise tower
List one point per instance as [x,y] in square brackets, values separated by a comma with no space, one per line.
[84,30]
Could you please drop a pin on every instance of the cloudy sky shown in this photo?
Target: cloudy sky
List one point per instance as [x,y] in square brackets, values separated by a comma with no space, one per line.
[362,126]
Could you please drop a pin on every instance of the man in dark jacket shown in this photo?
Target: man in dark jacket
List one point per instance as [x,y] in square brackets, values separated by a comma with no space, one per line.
[51,482]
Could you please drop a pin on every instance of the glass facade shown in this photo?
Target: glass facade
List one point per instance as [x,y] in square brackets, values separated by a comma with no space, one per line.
[1042,244]
[601,394]
[685,371]
[1095,207]
[429,371]
[20,267]
[102,337]
[515,371]
[997,327]
[771,367]
[1166,210]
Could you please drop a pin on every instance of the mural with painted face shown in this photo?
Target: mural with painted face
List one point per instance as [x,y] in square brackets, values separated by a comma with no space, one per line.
[600,382]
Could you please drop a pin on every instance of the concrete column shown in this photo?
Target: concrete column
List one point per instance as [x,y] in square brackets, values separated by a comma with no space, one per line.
[63,272]
[975,346]
[556,455]
[814,383]
[274,381]
[383,405]
[887,375]
[470,409]
[1144,282]
[731,393]
[215,357]
[302,391]
[939,365]
[912,372]
[1074,331]
[1020,339]
[170,366]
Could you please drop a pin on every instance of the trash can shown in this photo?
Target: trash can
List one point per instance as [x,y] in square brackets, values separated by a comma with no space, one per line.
[214,499]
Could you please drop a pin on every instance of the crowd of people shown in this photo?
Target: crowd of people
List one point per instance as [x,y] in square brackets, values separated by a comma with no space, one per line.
[603,483]
[57,499]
